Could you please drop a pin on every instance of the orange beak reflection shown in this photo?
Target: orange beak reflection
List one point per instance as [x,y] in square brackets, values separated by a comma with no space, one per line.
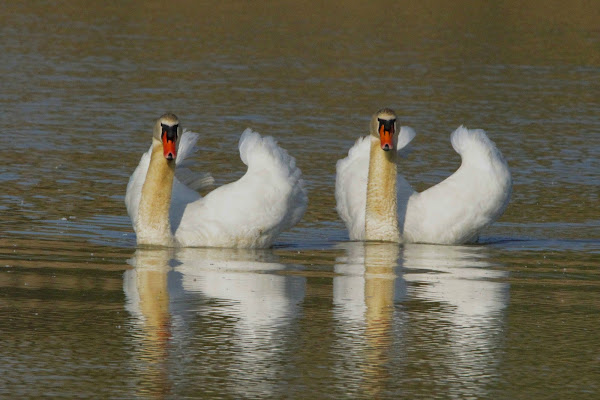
[386,137]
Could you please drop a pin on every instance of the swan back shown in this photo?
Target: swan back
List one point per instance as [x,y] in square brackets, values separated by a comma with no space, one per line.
[253,210]
[456,210]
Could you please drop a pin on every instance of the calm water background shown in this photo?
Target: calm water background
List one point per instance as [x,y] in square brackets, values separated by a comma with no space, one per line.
[83,313]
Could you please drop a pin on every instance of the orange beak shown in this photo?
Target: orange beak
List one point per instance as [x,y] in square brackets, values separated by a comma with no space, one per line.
[386,137]
[169,148]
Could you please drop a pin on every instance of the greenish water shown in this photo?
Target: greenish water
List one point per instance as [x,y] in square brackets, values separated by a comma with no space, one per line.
[84,314]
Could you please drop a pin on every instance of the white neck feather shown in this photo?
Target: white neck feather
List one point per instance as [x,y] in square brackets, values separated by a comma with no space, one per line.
[152,224]
[381,218]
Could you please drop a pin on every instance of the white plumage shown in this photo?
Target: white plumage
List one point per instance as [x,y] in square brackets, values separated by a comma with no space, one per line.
[454,211]
[249,213]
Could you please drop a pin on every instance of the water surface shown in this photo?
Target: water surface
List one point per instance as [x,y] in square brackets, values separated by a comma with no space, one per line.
[84,313]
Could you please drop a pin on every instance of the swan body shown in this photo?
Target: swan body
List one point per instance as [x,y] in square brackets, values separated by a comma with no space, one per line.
[377,203]
[251,212]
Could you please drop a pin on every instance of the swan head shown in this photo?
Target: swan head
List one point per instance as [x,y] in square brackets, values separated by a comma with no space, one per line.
[168,132]
[383,127]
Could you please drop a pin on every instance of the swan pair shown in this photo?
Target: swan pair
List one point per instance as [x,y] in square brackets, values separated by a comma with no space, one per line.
[373,200]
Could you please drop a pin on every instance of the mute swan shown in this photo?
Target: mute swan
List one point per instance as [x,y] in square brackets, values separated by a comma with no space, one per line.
[249,213]
[376,203]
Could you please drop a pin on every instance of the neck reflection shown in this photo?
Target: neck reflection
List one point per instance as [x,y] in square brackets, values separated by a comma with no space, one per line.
[435,307]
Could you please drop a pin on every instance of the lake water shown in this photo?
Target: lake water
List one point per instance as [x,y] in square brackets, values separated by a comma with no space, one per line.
[84,314]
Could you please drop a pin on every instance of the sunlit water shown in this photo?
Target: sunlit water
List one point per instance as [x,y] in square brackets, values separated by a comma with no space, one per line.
[83,313]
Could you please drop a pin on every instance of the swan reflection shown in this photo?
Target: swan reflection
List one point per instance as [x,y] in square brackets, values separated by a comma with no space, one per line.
[147,292]
[365,292]
[459,276]
[447,300]
[233,300]
[468,297]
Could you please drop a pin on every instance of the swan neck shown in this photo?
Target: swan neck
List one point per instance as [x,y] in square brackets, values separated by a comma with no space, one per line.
[152,225]
[381,218]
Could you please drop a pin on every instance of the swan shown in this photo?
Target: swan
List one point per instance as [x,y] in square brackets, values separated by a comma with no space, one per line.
[376,203]
[251,212]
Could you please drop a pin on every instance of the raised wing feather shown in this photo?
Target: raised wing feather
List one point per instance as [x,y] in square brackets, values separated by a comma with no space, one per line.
[352,175]
[252,211]
[455,210]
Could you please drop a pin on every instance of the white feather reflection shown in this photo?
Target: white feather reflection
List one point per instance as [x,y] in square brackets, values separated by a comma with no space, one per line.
[469,297]
[445,300]
[241,298]
[247,281]
[459,276]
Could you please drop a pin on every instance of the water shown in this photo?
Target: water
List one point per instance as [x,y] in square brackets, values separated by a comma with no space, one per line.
[83,313]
